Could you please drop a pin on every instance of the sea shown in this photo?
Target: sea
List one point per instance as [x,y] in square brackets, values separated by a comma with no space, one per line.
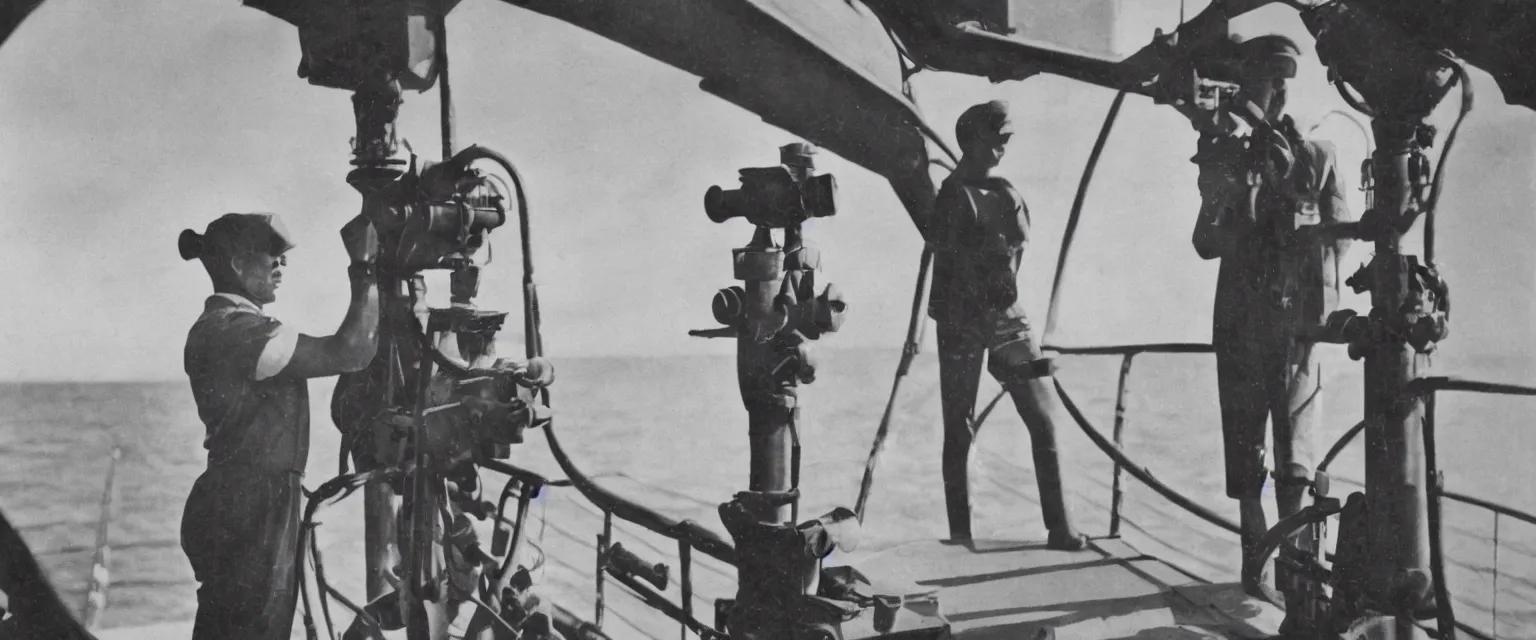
[670,432]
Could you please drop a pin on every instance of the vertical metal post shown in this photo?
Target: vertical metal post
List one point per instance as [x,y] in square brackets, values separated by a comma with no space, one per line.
[685,581]
[1401,83]
[444,90]
[375,108]
[602,562]
[1394,461]
[760,267]
[1495,574]
[101,575]
[1436,483]
[794,462]
[1116,494]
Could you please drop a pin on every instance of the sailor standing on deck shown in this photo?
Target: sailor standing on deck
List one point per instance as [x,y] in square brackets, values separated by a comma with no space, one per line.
[979,229]
[249,372]
[1262,203]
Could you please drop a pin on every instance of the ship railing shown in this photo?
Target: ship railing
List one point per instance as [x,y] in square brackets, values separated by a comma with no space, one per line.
[1430,387]
[625,567]
[1113,447]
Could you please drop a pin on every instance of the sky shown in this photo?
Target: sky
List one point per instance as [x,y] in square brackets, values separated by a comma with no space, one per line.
[120,126]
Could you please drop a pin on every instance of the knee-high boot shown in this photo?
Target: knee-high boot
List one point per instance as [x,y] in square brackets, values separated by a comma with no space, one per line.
[1031,398]
[957,490]
[959,375]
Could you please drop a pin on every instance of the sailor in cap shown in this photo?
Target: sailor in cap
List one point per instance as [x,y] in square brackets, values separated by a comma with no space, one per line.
[978,233]
[249,373]
[1263,199]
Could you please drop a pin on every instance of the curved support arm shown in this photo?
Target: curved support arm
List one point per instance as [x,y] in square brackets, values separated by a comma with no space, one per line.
[1338,447]
[681,530]
[1077,211]
[1138,471]
[1253,564]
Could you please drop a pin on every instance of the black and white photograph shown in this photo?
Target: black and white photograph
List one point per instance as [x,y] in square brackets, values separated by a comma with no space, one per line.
[768,320]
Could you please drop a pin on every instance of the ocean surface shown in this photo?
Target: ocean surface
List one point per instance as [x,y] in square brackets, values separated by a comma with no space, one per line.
[671,432]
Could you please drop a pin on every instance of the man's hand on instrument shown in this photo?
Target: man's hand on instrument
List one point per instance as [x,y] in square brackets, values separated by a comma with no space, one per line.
[361,240]
[1222,167]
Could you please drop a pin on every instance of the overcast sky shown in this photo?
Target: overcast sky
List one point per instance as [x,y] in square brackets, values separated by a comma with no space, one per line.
[123,123]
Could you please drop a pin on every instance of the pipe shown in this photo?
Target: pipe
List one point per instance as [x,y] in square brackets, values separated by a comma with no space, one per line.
[1435,481]
[1467,97]
[1077,211]
[698,537]
[1138,472]
[908,353]
[1338,447]
[1120,413]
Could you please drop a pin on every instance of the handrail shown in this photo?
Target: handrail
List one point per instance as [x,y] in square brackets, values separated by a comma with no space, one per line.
[1449,383]
[686,531]
[521,475]
[1160,347]
[1503,510]
[1139,472]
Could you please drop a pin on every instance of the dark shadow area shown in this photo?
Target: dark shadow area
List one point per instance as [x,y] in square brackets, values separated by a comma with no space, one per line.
[1082,610]
[1014,573]
[33,606]
[1079,611]
[994,546]
[1165,633]
[1197,606]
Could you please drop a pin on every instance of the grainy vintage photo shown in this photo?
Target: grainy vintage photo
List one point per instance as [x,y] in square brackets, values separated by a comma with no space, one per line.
[767,319]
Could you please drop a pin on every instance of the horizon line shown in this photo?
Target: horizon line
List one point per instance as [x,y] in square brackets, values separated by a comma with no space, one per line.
[1500,354]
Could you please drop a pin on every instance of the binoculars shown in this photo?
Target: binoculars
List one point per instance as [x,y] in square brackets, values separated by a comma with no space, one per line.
[437,218]
[777,197]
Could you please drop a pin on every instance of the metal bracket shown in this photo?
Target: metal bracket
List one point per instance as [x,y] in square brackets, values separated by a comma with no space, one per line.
[1422,320]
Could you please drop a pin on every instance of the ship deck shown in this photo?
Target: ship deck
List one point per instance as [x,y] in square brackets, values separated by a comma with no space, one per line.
[1010,590]
[1001,589]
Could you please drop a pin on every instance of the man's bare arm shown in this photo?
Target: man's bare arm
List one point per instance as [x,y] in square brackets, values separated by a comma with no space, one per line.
[353,345]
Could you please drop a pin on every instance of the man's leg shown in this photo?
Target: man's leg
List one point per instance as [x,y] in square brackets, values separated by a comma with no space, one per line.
[1295,416]
[1243,393]
[241,535]
[959,376]
[1295,421]
[1025,372]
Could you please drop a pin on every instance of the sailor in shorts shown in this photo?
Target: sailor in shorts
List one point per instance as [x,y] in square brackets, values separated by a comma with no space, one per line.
[978,232]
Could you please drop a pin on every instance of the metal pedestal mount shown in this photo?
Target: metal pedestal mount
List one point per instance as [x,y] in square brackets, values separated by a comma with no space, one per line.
[783,591]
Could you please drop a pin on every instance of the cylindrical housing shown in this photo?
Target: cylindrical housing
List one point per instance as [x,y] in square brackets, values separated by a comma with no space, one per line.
[1394,460]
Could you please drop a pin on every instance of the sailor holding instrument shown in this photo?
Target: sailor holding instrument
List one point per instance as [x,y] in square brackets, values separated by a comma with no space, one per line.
[249,376]
[1264,198]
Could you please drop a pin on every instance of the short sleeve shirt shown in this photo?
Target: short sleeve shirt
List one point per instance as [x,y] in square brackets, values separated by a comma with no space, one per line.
[255,417]
[979,231]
